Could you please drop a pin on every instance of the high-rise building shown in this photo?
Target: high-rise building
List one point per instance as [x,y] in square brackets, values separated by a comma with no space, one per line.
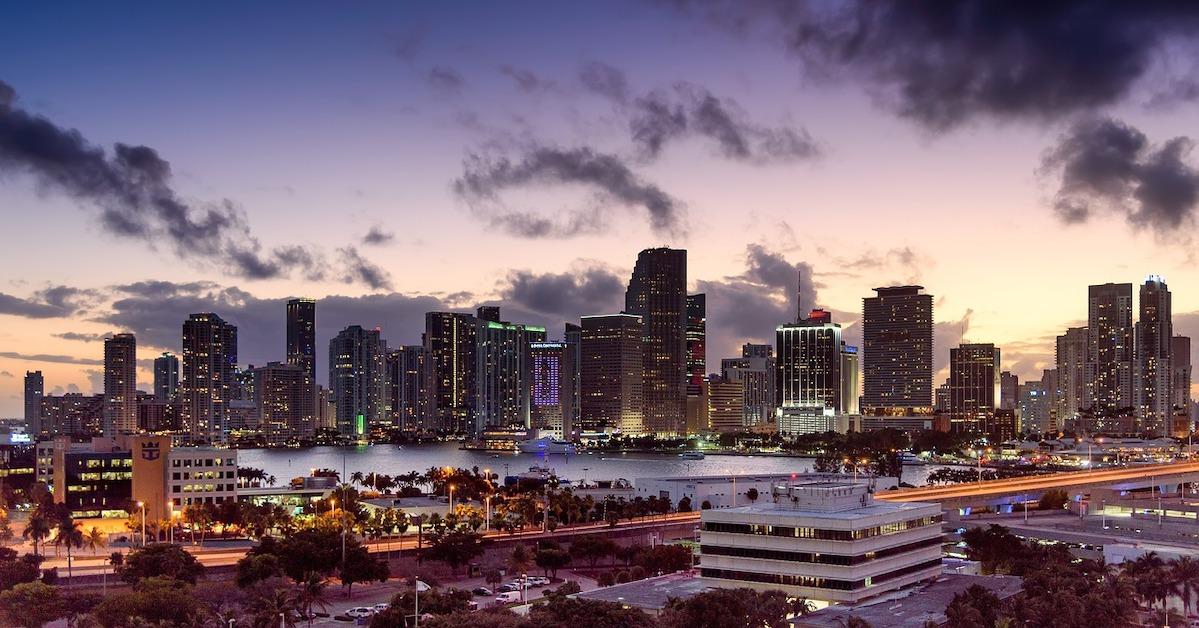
[301,335]
[551,387]
[572,360]
[1009,390]
[1152,370]
[1109,348]
[166,377]
[897,343]
[696,342]
[207,385]
[407,398]
[1180,365]
[71,414]
[502,371]
[850,390]
[809,363]
[726,405]
[120,385]
[356,378]
[756,372]
[1071,359]
[35,389]
[452,387]
[611,379]
[973,383]
[658,294]
[1035,407]
[282,397]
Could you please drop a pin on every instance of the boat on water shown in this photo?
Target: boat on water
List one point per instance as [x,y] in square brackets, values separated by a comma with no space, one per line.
[692,455]
[546,446]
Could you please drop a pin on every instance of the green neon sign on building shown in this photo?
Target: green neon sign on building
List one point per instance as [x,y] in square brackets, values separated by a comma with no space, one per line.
[360,425]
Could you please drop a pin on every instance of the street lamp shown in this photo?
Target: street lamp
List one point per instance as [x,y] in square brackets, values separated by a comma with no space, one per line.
[487,513]
[142,505]
[451,499]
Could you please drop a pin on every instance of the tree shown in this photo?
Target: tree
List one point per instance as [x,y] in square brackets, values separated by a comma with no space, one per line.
[68,534]
[1053,500]
[160,559]
[752,494]
[976,606]
[565,611]
[271,603]
[685,504]
[592,548]
[31,605]
[551,560]
[665,558]
[520,559]
[254,568]
[6,533]
[307,550]
[454,547]
[312,593]
[1185,573]
[360,566]
[16,570]
[37,529]
[95,540]
[733,608]
[433,602]
[157,600]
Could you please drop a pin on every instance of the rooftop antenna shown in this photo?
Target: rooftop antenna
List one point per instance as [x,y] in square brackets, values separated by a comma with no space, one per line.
[798,296]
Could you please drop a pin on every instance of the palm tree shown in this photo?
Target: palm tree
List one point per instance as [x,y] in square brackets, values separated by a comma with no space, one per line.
[95,539]
[1185,573]
[274,605]
[311,592]
[115,559]
[357,477]
[38,529]
[68,533]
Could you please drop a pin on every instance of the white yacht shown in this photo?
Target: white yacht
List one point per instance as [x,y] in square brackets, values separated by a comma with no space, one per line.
[546,446]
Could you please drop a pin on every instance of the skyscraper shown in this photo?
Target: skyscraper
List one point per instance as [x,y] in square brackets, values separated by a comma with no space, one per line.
[301,335]
[502,371]
[450,350]
[166,377]
[573,359]
[207,385]
[973,383]
[1071,358]
[755,370]
[696,342]
[120,385]
[281,395]
[726,400]
[897,343]
[1109,348]
[35,389]
[357,378]
[611,377]
[1152,372]
[1009,390]
[1180,365]
[658,294]
[809,364]
[407,397]
[551,388]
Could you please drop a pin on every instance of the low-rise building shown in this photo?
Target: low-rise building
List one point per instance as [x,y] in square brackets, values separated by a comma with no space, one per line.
[826,540]
[725,491]
[201,475]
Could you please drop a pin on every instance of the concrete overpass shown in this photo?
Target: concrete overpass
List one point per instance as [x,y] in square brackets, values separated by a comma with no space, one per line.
[1007,493]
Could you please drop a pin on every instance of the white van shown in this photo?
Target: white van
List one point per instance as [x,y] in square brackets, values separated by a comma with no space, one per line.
[508,598]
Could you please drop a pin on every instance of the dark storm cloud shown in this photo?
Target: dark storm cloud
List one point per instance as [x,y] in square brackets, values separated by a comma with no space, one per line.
[132,188]
[446,79]
[358,269]
[16,306]
[604,80]
[566,295]
[526,80]
[52,302]
[377,236]
[944,63]
[484,178]
[46,357]
[661,116]
[83,336]
[1105,165]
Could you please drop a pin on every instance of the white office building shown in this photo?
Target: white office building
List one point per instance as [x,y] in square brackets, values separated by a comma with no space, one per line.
[201,475]
[826,540]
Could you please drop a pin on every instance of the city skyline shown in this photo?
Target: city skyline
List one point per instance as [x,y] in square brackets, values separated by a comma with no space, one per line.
[415,223]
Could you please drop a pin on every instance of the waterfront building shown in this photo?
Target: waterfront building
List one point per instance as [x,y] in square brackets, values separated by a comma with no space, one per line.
[1180,366]
[657,293]
[551,387]
[120,384]
[502,371]
[166,377]
[407,396]
[973,384]
[1109,350]
[756,371]
[284,403]
[207,384]
[808,372]
[356,379]
[726,405]
[452,385]
[572,360]
[824,540]
[1152,371]
[301,336]
[696,342]
[1071,359]
[850,389]
[199,475]
[897,343]
[35,390]
[611,374]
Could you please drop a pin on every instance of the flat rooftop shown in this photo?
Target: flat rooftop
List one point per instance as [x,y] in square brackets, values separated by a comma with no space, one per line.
[650,594]
[787,510]
[911,607]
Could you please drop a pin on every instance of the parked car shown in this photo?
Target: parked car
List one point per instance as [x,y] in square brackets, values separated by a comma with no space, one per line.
[382,606]
[483,592]
[359,612]
[538,581]
[508,597]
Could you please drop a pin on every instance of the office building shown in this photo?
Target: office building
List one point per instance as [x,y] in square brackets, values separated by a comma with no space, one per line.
[93,479]
[301,336]
[71,414]
[573,359]
[696,342]
[822,540]
[156,415]
[502,371]
[1180,365]
[207,385]
[1009,390]
[120,385]
[166,377]
[726,405]
[1035,408]
[973,384]
[809,363]
[450,350]
[1071,358]
[551,387]
[356,379]
[1109,349]
[35,389]
[897,343]
[284,402]
[198,475]
[756,371]
[850,388]
[611,374]
[407,397]
[1152,371]
[657,293]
